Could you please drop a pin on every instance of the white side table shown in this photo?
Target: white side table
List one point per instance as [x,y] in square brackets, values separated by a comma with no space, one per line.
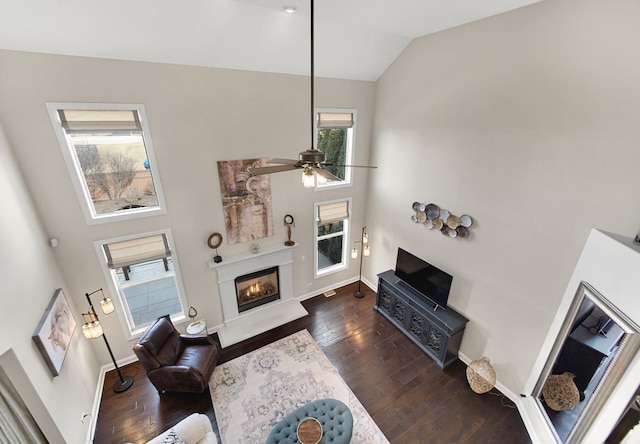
[197,328]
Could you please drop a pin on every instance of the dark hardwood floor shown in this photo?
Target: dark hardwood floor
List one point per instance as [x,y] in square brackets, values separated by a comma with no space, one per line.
[410,399]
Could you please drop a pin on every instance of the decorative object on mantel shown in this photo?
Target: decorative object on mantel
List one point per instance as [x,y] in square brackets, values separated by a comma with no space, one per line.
[92,329]
[560,392]
[435,218]
[214,241]
[366,251]
[288,222]
[481,375]
[255,248]
[246,201]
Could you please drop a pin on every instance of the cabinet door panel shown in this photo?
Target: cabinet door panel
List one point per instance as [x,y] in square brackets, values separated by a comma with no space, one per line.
[385,300]
[435,340]
[417,324]
[399,310]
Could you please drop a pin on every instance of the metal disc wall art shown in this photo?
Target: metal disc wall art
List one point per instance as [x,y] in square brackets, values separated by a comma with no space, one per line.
[435,218]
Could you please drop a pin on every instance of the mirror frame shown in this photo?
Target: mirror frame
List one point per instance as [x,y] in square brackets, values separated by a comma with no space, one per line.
[628,348]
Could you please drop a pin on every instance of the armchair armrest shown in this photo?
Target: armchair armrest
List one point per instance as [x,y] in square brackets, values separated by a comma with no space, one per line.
[197,340]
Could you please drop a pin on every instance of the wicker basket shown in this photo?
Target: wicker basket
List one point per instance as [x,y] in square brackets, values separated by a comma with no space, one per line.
[481,376]
[560,392]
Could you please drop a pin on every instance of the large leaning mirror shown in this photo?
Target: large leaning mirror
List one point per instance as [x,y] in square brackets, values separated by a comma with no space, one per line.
[594,347]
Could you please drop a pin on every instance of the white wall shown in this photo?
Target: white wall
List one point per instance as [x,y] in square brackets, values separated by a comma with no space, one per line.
[529,122]
[30,276]
[197,116]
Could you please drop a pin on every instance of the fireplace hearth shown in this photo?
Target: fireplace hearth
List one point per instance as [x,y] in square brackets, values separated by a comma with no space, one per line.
[257,288]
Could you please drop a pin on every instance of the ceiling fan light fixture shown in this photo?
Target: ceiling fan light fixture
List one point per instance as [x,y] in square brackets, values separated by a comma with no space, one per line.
[307,178]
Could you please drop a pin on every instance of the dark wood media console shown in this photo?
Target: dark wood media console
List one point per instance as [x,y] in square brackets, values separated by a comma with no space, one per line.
[437,331]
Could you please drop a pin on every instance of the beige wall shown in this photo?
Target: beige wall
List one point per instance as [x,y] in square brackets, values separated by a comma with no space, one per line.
[30,276]
[530,122]
[197,116]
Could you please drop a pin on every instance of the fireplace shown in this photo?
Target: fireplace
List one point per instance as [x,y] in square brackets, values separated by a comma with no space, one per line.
[257,288]
[238,326]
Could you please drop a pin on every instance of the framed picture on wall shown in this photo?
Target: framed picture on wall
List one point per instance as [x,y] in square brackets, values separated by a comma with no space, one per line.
[54,332]
[246,200]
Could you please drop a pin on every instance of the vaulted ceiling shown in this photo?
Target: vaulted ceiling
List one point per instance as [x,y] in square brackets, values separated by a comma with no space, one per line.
[354,39]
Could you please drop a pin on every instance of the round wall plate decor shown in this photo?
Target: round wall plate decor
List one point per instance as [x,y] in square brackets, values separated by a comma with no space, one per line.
[433,211]
[466,221]
[214,241]
[453,222]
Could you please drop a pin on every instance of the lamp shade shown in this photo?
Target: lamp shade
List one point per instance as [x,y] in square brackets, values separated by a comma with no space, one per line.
[92,330]
[365,238]
[366,251]
[354,253]
[307,178]
[107,306]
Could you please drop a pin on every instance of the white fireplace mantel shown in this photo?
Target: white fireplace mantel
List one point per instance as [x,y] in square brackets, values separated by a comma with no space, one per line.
[240,326]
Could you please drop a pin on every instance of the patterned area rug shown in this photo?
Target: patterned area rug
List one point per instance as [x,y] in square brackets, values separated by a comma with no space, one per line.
[252,393]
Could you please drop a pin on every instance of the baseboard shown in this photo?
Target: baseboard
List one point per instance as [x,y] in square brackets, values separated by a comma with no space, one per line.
[98,396]
[320,291]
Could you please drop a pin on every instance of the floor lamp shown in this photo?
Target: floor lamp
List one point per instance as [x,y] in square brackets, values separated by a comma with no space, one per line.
[366,251]
[93,329]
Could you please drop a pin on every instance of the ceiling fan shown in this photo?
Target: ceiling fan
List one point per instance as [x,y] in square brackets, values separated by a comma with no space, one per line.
[311,160]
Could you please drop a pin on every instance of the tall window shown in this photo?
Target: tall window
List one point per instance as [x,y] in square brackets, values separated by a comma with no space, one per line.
[335,134]
[110,158]
[145,276]
[331,236]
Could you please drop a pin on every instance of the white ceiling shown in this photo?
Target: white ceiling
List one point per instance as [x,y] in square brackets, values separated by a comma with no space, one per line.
[354,39]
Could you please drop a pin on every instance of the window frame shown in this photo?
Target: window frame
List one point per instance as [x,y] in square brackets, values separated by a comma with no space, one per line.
[75,171]
[344,264]
[350,148]
[126,319]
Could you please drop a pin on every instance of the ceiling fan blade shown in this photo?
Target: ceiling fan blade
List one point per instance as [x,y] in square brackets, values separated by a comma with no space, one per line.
[326,174]
[349,166]
[271,169]
[283,161]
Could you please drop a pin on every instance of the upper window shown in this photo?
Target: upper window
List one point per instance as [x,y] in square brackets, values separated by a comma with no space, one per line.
[110,158]
[145,276]
[332,220]
[335,131]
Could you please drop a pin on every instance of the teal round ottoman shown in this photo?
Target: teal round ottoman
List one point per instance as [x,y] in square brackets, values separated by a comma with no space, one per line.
[334,416]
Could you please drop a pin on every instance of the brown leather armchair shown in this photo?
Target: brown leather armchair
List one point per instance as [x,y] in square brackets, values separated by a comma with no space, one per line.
[175,362]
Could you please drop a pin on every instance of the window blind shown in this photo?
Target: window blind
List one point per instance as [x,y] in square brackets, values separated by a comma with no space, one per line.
[84,120]
[333,212]
[136,251]
[335,120]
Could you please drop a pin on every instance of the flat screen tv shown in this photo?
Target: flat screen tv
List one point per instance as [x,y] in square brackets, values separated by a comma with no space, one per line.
[423,277]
